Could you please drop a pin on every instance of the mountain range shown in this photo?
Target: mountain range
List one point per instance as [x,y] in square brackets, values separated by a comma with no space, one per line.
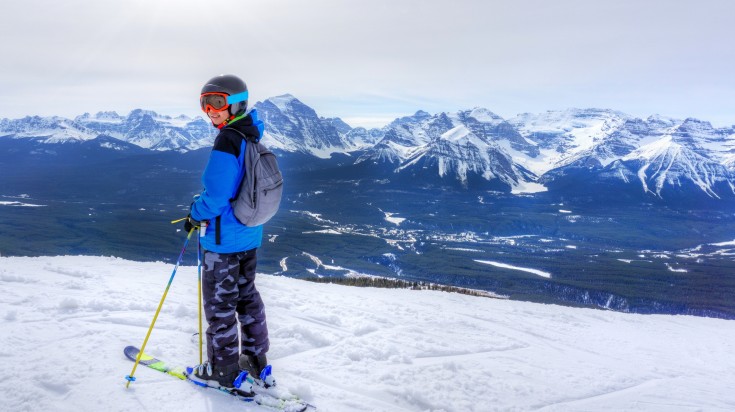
[571,151]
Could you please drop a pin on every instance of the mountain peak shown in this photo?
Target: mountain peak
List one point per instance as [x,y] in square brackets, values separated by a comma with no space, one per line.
[693,123]
[417,117]
[292,126]
[107,115]
[141,113]
[99,116]
[662,121]
[484,115]
[283,101]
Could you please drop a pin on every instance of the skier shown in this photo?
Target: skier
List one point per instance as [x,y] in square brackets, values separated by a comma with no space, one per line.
[228,282]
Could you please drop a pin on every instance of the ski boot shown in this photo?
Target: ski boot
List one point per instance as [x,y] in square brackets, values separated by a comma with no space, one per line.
[258,368]
[229,377]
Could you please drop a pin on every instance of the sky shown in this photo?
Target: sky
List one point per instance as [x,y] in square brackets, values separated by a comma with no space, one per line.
[371,62]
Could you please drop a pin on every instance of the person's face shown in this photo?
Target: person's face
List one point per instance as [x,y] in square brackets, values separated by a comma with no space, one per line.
[219,117]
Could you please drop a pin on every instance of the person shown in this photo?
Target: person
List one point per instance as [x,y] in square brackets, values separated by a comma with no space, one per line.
[229,257]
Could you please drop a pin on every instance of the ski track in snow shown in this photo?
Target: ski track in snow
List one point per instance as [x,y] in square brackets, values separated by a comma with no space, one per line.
[67,319]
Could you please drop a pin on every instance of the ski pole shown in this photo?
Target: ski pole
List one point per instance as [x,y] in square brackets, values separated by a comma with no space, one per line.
[131,377]
[199,270]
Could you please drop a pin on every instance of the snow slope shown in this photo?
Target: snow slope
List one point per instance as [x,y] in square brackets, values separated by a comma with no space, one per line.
[563,135]
[65,321]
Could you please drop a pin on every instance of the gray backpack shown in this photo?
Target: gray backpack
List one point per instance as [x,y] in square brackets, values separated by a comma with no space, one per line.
[260,192]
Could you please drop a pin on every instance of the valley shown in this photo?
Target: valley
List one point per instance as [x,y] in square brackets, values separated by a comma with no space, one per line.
[643,259]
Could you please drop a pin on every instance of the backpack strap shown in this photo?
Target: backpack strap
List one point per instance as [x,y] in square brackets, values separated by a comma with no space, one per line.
[245,136]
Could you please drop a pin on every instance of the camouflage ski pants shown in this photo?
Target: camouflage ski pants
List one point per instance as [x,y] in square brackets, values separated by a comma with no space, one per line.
[229,293]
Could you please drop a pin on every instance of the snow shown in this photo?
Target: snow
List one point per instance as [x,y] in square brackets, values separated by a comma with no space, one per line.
[66,320]
[395,220]
[282,102]
[666,156]
[18,204]
[528,187]
[112,146]
[578,130]
[642,177]
[457,134]
[325,152]
[316,216]
[522,269]
[326,232]
[672,269]
[405,152]
[485,116]
[464,249]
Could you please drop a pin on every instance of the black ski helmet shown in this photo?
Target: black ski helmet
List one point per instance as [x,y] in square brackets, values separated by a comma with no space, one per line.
[231,85]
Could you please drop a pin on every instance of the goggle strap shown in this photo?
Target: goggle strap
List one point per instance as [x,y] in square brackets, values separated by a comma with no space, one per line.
[237,98]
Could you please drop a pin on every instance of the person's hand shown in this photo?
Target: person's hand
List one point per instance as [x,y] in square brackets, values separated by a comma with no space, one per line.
[191,223]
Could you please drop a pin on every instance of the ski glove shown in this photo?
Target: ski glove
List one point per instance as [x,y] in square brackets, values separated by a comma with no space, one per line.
[191,223]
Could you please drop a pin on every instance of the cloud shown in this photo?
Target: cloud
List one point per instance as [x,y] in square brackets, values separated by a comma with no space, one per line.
[649,57]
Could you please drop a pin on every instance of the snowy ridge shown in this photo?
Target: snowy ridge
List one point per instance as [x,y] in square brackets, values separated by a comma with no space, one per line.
[348,349]
[564,136]
[52,129]
[662,154]
[667,163]
[455,144]
[292,126]
[142,128]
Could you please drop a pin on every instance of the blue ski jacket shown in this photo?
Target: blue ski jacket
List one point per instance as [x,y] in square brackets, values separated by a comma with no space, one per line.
[221,180]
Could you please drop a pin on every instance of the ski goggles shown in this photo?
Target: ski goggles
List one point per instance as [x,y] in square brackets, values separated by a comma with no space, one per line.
[217,102]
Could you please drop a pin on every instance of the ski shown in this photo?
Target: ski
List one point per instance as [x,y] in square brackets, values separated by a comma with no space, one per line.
[268,397]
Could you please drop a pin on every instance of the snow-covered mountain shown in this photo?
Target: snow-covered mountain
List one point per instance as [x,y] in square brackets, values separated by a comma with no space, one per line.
[142,128]
[532,150]
[666,163]
[459,145]
[292,126]
[474,148]
[655,156]
[562,137]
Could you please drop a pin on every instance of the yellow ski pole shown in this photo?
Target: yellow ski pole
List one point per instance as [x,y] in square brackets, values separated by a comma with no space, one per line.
[131,377]
[199,270]
[202,230]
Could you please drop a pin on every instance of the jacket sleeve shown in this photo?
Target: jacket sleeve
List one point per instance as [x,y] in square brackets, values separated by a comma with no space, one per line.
[220,178]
